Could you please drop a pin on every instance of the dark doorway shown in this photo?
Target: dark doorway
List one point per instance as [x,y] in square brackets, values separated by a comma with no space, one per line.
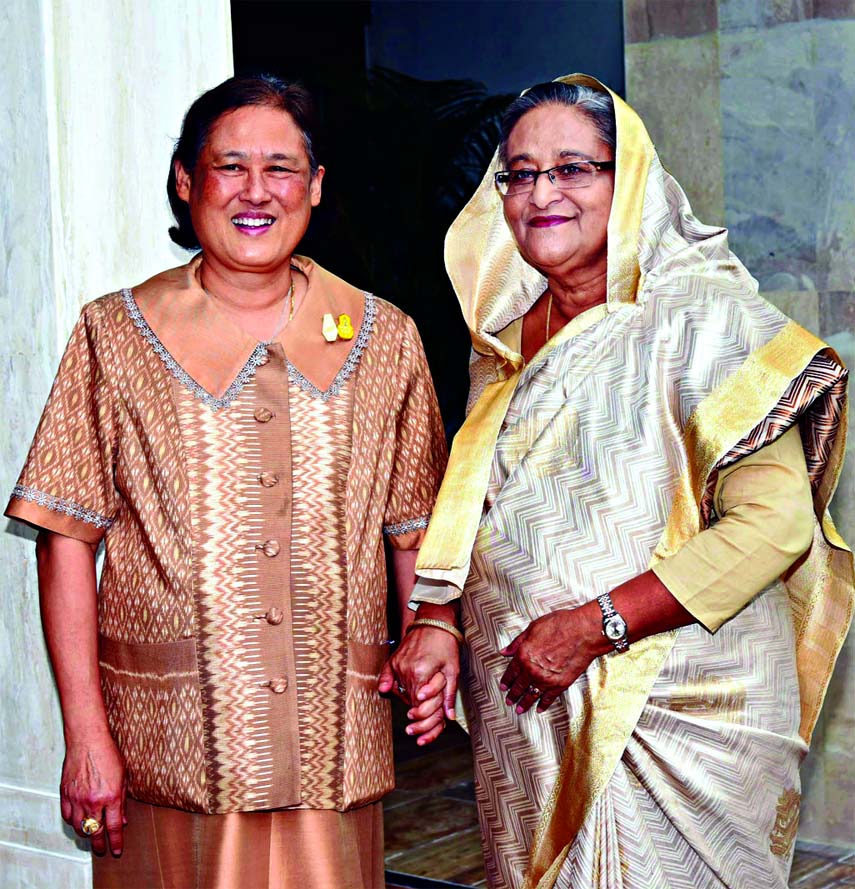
[410,95]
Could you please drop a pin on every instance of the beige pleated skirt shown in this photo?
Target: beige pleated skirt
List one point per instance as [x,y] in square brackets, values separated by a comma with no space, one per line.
[290,849]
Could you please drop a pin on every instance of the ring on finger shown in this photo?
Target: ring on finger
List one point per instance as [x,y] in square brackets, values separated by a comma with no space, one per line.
[401,689]
[90,826]
[534,691]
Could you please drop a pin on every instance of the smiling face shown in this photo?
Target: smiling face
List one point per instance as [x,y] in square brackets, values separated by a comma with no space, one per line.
[252,191]
[559,232]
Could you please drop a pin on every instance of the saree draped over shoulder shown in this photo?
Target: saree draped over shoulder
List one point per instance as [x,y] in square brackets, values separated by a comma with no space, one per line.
[676,763]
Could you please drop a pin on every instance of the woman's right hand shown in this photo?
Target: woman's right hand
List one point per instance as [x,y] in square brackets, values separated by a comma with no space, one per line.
[427,665]
[93,785]
[93,773]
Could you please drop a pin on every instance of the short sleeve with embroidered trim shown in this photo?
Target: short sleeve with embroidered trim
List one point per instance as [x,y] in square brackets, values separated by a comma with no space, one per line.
[420,451]
[66,484]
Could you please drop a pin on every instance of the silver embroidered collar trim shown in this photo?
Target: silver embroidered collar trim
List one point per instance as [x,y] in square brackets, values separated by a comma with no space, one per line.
[350,363]
[259,353]
[257,358]
[59,504]
[407,526]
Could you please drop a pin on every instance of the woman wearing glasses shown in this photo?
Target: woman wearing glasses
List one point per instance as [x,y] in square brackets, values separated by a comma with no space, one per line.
[634,520]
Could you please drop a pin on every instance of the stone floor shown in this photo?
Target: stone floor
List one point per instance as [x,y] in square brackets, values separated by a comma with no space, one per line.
[821,868]
[430,820]
[432,827]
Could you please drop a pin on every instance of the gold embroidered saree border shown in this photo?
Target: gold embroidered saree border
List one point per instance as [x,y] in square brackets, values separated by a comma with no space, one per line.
[820,588]
[446,551]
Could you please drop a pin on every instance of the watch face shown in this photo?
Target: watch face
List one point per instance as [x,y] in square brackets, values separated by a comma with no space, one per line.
[614,627]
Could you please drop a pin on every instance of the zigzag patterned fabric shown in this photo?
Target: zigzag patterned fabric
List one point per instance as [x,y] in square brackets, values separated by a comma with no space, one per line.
[675,765]
[583,479]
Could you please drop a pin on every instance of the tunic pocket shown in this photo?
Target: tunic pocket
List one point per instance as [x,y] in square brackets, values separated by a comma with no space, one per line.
[368,768]
[154,708]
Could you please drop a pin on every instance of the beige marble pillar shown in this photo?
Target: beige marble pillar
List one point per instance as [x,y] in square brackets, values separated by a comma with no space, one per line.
[91,97]
[751,104]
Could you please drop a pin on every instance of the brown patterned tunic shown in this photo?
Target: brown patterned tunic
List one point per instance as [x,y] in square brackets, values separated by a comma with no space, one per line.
[242,606]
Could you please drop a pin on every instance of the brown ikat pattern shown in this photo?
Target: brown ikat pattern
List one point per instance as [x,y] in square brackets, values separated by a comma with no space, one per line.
[145,592]
[221,455]
[320,451]
[69,467]
[368,766]
[109,437]
[156,722]
[395,405]
[127,449]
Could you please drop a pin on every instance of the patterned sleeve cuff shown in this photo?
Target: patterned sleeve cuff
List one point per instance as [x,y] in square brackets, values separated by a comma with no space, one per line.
[407,526]
[407,535]
[57,514]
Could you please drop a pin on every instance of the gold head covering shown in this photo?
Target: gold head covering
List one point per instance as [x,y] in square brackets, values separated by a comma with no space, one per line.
[496,287]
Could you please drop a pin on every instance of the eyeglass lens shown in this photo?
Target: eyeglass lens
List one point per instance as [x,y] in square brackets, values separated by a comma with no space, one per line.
[576,175]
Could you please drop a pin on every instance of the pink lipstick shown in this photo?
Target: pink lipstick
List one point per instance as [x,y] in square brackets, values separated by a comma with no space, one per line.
[547,221]
[253,223]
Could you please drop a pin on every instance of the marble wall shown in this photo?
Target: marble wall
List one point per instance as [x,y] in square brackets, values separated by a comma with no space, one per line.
[751,104]
[91,95]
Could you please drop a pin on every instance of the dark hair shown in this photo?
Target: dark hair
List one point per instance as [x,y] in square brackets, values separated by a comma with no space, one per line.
[594,103]
[231,94]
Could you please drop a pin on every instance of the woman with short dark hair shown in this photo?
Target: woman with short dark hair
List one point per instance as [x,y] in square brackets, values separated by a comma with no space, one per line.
[242,432]
[262,90]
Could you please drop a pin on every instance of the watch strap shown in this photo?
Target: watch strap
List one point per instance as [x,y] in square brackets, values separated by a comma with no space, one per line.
[606,605]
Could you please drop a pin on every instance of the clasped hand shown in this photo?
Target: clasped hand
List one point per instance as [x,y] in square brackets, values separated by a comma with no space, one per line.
[545,660]
[423,672]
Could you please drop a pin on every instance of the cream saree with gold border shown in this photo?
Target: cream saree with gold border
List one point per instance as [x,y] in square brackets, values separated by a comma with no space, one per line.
[675,764]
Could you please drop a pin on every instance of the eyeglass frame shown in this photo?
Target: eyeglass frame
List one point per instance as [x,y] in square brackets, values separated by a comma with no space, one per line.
[599,166]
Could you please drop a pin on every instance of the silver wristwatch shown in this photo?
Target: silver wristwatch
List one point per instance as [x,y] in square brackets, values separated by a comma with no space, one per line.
[614,626]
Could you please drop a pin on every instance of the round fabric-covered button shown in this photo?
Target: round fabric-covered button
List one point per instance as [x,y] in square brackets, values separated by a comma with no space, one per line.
[270,548]
[277,685]
[274,616]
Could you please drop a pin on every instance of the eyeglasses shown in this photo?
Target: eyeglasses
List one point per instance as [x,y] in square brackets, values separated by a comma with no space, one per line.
[579,174]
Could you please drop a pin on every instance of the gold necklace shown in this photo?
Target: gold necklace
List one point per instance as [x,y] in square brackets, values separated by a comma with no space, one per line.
[289,306]
[290,297]
[548,315]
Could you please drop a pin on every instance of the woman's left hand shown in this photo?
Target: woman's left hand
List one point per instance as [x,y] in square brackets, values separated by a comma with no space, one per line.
[426,665]
[550,655]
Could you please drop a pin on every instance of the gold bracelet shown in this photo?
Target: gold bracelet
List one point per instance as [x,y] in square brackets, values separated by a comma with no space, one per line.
[439,624]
